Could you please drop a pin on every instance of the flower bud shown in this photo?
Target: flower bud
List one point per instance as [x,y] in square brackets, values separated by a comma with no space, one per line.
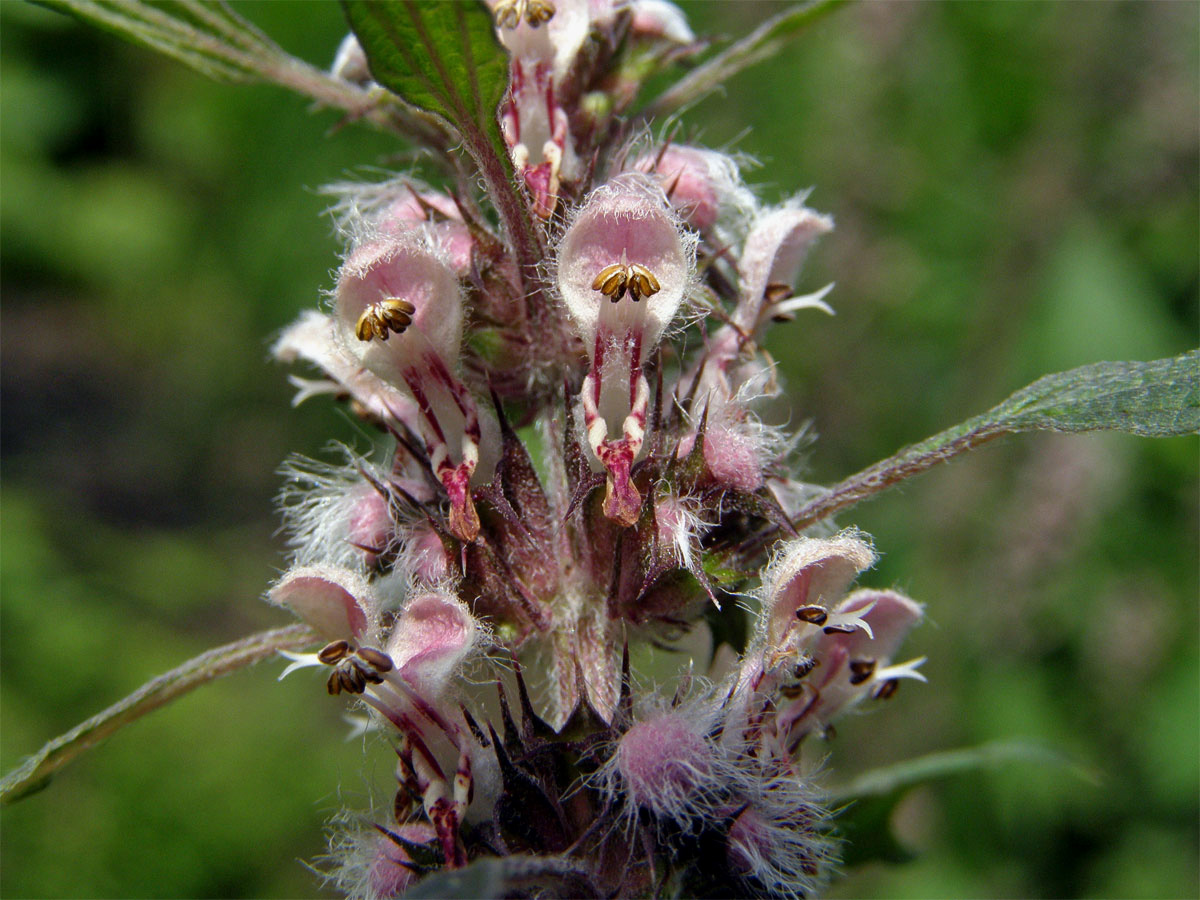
[660,19]
[370,528]
[350,63]
[700,184]
[778,841]
[424,555]
[664,762]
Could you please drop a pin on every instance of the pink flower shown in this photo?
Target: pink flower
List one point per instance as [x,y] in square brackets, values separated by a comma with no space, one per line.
[623,268]
[337,603]
[398,310]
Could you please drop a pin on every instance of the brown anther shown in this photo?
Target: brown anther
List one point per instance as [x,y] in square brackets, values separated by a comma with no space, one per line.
[376,659]
[614,280]
[776,292]
[861,670]
[380,319]
[538,11]
[509,13]
[813,615]
[805,666]
[792,691]
[885,690]
[333,652]
[353,679]
[334,684]
[840,629]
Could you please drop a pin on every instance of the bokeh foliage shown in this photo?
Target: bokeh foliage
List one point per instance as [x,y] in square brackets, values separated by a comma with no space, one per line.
[1015,187]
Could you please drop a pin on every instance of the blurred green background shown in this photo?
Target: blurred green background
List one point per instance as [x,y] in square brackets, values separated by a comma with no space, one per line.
[1015,187]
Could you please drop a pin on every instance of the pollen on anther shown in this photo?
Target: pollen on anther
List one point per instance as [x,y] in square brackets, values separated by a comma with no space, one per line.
[813,615]
[509,13]
[615,280]
[380,320]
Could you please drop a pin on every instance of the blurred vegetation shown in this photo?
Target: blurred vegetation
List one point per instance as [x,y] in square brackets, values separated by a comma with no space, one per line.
[1015,186]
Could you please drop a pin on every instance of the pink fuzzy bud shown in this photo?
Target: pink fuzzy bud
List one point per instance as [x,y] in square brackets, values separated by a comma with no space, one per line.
[425,556]
[663,762]
[701,184]
[337,603]
[370,528]
[412,208]
[732,458]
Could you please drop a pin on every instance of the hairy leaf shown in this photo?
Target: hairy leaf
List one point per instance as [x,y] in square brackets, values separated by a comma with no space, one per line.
[211,38]
[762,43]
[35,773]
[1152,399]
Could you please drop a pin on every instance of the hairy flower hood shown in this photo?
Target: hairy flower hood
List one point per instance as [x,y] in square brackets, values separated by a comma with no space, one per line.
[627,221]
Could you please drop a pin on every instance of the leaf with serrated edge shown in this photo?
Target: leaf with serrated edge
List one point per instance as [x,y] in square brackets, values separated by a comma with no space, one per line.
[445,59]
[441,57]
[1152,399]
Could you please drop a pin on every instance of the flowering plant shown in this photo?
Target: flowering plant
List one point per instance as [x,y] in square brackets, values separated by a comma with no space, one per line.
[563,348]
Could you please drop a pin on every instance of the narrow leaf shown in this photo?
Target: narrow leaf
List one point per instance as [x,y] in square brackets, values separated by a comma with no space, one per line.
[35,772]
[889,779]
[211,38]
[1152,399]
[444,58]
[762,43]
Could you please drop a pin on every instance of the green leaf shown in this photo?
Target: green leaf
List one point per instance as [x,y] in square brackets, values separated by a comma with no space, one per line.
[36,771]
[1152,399]
[866,822]
[888,779]
[211,38]
[444,58]
[762,43]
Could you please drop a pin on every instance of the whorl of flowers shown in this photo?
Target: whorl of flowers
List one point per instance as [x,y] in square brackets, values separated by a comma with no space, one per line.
[571,462]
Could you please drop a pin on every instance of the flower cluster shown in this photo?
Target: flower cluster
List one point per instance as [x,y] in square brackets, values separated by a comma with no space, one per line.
[571,464]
